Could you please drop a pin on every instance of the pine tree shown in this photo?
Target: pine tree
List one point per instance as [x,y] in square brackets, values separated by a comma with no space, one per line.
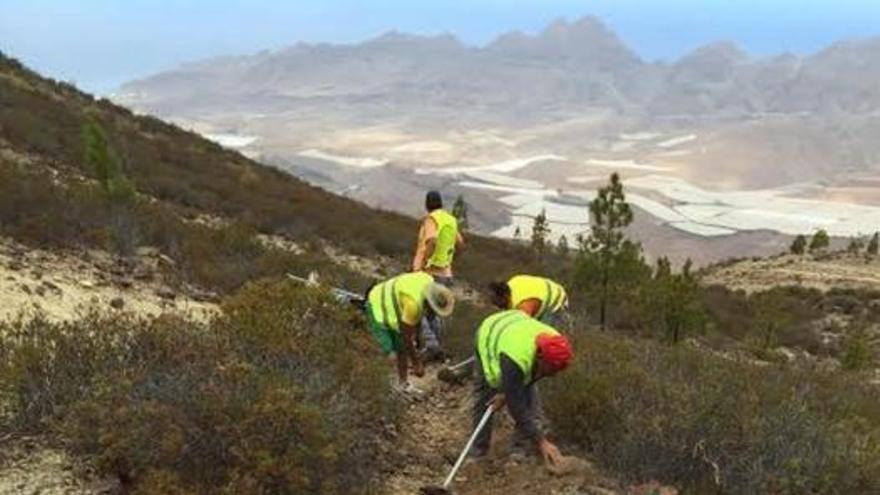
[609,215]
[798,245]
[873,245]
[105,164]
[540,233]
[459,211]
[820,241]
[562,246]
[117,190]
[855,246]
[673,301]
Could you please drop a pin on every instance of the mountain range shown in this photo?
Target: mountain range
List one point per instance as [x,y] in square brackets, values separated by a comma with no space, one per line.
[565,68]
[383,120]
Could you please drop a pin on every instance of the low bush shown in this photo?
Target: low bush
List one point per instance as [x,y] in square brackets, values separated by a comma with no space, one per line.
[712,425]
[278,395]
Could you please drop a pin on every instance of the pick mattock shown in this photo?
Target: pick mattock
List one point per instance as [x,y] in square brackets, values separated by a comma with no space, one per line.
[444,488]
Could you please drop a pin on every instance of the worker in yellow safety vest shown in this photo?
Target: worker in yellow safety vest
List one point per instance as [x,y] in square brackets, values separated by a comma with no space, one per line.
[438,241]
[539,297]
[513,351]
[395,309]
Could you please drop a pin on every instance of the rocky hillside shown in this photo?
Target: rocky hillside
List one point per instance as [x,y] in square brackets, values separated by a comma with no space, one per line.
[566,67]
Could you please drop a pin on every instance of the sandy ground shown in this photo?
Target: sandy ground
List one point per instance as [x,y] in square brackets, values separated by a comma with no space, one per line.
[27,467]
[840,271]
[63,285]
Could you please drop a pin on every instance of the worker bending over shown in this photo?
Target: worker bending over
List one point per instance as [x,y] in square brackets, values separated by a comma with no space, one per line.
[539,297]
[513,351]
[395,309]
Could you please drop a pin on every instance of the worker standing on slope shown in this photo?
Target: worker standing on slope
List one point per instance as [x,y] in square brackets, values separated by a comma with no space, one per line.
[395,309]
[437,243]
[513,351]
[539,297]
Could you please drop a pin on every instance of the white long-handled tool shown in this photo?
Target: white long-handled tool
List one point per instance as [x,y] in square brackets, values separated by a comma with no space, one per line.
[456,373]
[444,488]
[341,295]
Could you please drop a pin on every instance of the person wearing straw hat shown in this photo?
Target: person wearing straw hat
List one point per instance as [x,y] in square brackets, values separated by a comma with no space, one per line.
[395,309]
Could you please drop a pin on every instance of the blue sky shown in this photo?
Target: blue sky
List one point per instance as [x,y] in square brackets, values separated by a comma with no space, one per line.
[100,44]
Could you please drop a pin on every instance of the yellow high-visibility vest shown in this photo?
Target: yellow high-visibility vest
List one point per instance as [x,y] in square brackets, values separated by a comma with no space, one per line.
[551,294]
[513,334]
[447,233]
[384,298]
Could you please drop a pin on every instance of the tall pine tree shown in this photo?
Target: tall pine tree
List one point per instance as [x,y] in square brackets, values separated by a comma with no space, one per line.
[540,234]
[460,212]
[610,214]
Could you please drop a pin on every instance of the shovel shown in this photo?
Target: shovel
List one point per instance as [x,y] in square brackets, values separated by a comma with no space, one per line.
[444,488]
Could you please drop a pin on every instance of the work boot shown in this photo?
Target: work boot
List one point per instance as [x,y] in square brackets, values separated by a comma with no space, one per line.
[477,455]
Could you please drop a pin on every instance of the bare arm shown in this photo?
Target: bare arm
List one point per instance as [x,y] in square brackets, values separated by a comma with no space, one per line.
[419,257]
[430,236]
[459,241]
[408,332]
[530,306]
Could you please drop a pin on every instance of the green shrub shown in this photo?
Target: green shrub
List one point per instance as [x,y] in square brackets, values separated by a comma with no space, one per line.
[280,394]
[687,417]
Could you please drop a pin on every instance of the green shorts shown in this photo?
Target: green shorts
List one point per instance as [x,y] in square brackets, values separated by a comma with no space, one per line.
[389,340]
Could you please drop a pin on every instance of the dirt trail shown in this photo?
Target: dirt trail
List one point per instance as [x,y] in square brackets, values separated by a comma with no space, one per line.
[435,429]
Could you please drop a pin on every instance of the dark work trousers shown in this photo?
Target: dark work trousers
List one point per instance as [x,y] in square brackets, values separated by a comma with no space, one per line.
[482,396]
[431,334]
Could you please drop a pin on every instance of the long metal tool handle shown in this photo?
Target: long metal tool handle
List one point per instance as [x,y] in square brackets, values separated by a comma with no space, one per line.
[470,443]
[462,364]
[336,290]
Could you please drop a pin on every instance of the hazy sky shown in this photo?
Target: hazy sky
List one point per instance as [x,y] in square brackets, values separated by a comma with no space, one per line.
[100,44]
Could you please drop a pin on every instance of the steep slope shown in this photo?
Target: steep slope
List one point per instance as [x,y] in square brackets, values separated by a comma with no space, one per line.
[40,126]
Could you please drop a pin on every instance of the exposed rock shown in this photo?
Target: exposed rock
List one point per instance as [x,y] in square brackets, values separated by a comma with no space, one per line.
[166,293]
[147,252]
[204,296]
[51,286]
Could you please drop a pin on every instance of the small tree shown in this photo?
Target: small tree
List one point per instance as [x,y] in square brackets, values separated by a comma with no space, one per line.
[540,233]
[855,246]
[873,245]
[858,352]
[609,215]
[820,241]
[517,234]
[799,244]
[562,246]
[100,157]
[459,211]
[117,189]
[673,301]
[771,315]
